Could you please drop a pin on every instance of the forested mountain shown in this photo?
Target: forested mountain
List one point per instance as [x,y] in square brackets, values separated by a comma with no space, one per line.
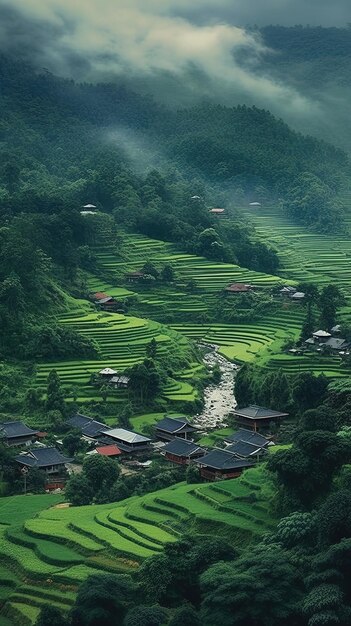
[317,62]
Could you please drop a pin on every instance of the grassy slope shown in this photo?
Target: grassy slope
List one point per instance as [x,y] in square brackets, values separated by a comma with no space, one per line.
[260,342]
[46,552]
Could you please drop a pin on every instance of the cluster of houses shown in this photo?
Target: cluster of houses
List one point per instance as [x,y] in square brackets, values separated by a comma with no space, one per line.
[113,379]
[291,293]
[322,341]
[173,438]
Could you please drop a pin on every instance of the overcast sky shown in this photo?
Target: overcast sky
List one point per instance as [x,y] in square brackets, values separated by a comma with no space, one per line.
[144,37]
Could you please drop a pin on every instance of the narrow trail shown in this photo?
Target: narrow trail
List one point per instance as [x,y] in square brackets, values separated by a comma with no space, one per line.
[219,399]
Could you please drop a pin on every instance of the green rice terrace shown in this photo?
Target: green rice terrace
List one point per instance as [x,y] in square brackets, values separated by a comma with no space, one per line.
[47,552]
[260,341]
[305,256]
[122,341]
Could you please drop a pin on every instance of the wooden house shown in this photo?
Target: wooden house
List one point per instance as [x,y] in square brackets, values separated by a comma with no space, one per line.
[120,381]
[217,212]
[170,427]
[111,451]
[256,417]
[90,428]
[181,451]
[238,288]
[15,434]
[48,460]
[247,436]
[126,440]
[134,277]
[220,464]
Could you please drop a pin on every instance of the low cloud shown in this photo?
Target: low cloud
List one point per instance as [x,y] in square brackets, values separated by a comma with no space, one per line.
[97,38]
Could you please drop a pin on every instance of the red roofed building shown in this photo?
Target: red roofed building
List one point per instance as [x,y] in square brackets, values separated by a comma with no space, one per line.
[238,288]
[100,295]
[111,450]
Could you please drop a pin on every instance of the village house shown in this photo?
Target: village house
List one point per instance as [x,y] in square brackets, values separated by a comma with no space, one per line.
[257,418]
[181,451]
[126,440]
[107,373]
[88,209]
[298,296]
[50,461]
[111,451]
[90,428]
[217,212]
[254,203]
[220,464]
[248,436]
[119,382]
[246,450]
[15,434]
[107,303]
[134,277]
[238,288]
[170,427]
[322,341]
[287,291]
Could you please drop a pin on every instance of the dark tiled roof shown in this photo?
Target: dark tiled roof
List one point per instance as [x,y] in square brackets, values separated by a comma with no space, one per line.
[258,412]
[42,457]
[87,425]
[221,459]
[182,447]
[248,436]
[10,430]
[336,343]
[174,425]
[244,449]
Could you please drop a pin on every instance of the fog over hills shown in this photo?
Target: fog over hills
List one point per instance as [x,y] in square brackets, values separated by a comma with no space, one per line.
[183,53]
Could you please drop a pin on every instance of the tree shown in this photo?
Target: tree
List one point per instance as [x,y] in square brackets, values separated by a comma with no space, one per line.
[145,616]
[262,588]
[78,490]
[145,380]
[308,326]
[55,398]
[193,474]
[308,390]
[329,301]
[150,270]
[51,616]
[36,480]
[72,442]
[151,349]
[100,472]
[185,616]
[167,274]
[103,599]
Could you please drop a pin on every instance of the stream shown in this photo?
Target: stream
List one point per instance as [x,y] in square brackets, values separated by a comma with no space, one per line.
[219,399]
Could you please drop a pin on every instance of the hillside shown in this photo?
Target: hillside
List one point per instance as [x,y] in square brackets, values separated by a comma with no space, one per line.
[47,552]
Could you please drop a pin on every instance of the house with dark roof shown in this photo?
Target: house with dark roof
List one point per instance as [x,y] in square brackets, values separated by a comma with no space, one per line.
[181,451]
[119,382]
[323,341]
[90,428]
[16,434]
[170,427]
[50,461]
[133,277]
[220,464]
[246,450]
[126,440]
[248,436]
[256,417]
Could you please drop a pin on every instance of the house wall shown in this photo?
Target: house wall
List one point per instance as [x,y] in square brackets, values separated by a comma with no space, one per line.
[181,460]
[212,474]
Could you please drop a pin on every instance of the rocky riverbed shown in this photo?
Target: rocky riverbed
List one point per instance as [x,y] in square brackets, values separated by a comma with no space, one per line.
[219,399]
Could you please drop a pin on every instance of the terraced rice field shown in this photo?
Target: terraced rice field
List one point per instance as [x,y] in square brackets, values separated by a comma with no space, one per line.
[122,341]
[47,552]
[305,256]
